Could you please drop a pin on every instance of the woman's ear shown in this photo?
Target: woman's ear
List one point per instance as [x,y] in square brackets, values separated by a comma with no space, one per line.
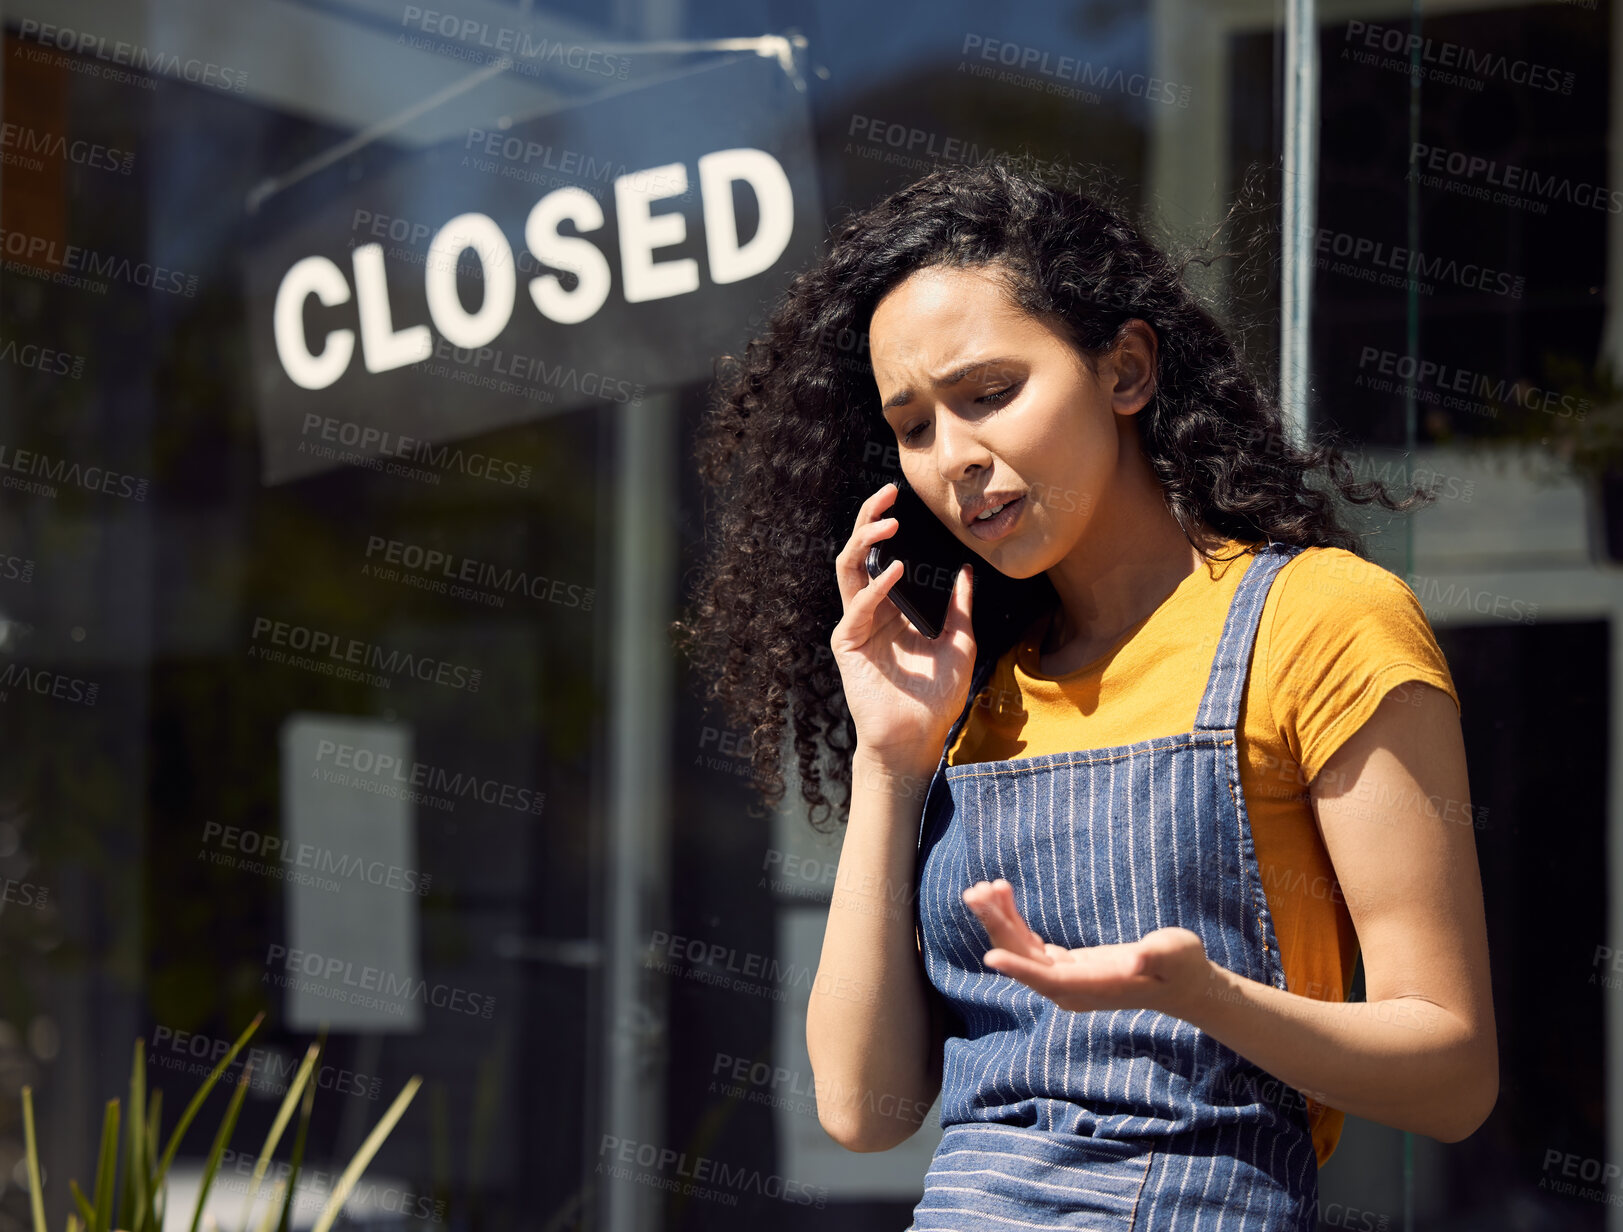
[1132,367]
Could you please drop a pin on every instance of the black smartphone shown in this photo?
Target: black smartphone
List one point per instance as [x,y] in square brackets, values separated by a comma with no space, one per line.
[931,556]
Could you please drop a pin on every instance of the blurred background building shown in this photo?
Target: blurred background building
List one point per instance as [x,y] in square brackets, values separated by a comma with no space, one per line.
[350,357]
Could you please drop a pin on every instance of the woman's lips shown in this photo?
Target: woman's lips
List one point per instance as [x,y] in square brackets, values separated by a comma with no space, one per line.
[999,524]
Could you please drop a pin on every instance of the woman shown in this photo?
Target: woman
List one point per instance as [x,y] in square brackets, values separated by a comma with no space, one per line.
[1179,752]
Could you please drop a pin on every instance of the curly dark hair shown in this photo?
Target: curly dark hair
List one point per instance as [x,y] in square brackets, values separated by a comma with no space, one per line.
[793,426]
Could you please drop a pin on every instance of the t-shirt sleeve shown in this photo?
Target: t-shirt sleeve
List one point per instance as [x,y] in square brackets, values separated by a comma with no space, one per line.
[1343,634]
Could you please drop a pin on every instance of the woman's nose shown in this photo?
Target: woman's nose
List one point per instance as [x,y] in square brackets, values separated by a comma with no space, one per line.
[958,447]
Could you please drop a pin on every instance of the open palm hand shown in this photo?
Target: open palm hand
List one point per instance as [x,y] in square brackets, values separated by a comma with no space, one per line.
[1165,970]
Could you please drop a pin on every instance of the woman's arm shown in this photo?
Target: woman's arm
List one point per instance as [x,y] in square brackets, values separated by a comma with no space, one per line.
[869,1027]
[870,1033]
[1421,1052]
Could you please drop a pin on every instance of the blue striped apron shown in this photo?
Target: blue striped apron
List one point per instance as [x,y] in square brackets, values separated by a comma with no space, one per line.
[1120,1120]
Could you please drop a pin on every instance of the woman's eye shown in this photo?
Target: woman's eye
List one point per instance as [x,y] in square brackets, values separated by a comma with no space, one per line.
[912,432]
[1001,395]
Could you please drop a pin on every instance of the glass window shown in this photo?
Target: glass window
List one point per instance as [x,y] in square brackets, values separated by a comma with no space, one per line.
[352,360]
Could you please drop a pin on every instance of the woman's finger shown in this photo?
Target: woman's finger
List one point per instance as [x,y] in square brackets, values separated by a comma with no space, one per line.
[1004,927]
[1000,904]
[864,539]
[1042,977]
[850,568]
[1109,978]
[960,609]
[861,613]
[1012,911]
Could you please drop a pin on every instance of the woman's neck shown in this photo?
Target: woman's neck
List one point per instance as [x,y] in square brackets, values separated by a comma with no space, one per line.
[1138,588]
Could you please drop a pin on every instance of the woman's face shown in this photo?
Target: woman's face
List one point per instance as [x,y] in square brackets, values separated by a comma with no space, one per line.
[990,405]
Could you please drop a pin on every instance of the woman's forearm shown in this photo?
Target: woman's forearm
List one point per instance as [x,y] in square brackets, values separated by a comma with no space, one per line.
[1404,1062]
[867,1023]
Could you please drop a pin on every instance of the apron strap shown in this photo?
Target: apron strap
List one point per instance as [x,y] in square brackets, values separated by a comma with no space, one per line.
[1220,706]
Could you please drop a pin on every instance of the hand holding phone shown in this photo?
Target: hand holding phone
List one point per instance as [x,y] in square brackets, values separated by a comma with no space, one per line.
[931,557]
[903,683]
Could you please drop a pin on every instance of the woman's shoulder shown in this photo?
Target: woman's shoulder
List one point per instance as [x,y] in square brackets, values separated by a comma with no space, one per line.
[1324,588]
[1339,632]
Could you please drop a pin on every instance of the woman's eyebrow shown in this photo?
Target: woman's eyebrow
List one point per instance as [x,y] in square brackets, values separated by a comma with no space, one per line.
[903,396]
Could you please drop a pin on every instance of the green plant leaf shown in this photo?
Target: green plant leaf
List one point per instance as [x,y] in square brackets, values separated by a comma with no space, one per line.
[36,1198]
[85,1208]
[227,1125]
[272,1208]
[106,1168]
[148,1214]
[298,1144]
[369,1148]
[284,1114]
[191,1110]
[131,1196]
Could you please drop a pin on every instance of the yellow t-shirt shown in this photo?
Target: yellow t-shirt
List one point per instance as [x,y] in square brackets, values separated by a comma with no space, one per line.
[1337,633]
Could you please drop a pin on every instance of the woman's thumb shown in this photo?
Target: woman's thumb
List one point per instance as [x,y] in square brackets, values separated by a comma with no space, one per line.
[963,589]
